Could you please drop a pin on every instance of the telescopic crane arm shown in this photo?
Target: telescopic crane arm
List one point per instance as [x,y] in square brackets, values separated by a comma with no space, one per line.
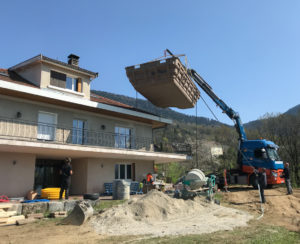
[208,90]
[229,111]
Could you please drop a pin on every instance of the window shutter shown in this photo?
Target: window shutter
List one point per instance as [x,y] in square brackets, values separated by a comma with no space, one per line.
[79,85]
[58,79]
[133,171]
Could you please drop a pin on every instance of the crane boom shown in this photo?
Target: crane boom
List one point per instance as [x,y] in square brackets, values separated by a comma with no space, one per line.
[226,109]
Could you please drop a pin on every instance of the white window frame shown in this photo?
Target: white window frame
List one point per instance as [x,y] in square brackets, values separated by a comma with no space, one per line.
[73,82]
[84,131]
[50,136]
[119,171]
[117,137]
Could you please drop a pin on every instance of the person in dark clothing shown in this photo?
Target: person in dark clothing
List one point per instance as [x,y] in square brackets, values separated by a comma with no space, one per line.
[261,177]
[286,176]
[66,172]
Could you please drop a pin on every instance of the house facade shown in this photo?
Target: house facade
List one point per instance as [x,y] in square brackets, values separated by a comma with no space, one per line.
[47,113]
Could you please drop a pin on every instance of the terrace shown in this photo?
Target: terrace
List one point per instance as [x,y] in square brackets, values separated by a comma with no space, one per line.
[22,130]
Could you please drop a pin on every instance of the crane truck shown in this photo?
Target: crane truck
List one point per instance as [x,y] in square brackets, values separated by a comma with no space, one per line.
[251,153]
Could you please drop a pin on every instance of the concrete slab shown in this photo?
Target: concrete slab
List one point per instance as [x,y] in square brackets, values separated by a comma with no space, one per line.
[56,206]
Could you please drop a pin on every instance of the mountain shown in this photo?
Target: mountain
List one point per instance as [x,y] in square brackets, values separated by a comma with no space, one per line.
[162,112]
[256,123]
[294,110]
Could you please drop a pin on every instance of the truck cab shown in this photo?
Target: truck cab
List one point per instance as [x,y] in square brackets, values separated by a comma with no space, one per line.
[261,154]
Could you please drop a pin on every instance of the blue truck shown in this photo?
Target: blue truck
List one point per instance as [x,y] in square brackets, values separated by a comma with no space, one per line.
[252,154]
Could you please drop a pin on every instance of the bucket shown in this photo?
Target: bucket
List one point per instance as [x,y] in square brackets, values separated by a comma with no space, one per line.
[121,190]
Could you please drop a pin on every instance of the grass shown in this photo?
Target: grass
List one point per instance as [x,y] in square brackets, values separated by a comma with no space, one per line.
[218,196]
[107,204]
[253,234]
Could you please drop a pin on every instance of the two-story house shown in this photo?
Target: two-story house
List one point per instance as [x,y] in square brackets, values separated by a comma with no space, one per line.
[47,112]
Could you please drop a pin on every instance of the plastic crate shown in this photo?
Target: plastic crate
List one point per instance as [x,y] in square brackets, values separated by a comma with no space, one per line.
[51,193]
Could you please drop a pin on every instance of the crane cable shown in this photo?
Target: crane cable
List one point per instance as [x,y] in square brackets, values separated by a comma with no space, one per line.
[187,65]
[261,205]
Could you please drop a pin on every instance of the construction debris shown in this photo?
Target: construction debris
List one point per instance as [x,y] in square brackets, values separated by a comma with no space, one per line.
[165,83]
[60,214]
[35,216]
[8,217]
[158,214]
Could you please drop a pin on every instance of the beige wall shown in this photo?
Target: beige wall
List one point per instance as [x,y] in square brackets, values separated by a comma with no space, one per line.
[45,81]
[101,171]
[79,177]
[142,168]
[31,73]
[16,179]
[65,117]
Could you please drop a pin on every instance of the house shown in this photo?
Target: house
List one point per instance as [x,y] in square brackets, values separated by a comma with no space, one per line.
[47,112]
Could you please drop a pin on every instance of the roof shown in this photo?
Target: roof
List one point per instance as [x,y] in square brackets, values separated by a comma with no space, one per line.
[97,98]
[11,76]
[100,99]
[42,58]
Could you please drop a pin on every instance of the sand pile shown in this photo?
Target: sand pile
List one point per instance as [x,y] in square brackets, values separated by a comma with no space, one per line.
[158,214]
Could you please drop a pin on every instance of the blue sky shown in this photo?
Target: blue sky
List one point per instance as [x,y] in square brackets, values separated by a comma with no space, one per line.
[248,51]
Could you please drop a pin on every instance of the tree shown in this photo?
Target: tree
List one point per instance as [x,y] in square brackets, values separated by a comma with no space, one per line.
[284,130]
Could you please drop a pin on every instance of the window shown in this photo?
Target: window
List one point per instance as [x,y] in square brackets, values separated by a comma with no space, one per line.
[46,126]
[260,153]
[79,134]
[273,155]
[72,83]
[63,81]
[122,137]
[58,79]
[123,171]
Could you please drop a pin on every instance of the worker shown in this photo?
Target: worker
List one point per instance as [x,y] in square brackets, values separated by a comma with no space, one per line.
[286,176]
[262,182]
[65,172]
[150,179]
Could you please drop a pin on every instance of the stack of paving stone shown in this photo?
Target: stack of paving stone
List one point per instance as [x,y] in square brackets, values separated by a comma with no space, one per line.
[165,83]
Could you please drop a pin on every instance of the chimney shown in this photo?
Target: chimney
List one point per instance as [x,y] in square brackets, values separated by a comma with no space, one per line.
[73,59]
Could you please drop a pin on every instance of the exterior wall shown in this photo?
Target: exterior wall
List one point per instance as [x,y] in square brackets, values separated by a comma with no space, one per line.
[79,179]
[32,74]
[16,174]
[45,81]
[142,168]
[65,118]
[101,171]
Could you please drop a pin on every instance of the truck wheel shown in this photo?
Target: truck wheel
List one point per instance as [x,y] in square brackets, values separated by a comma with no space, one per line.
[254,181]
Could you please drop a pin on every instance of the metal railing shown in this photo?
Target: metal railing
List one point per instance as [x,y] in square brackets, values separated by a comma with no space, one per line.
[31,131]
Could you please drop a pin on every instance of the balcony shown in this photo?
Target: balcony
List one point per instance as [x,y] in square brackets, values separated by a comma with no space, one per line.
[16,129]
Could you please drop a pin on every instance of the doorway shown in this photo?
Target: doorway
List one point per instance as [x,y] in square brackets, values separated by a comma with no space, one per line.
[47,173]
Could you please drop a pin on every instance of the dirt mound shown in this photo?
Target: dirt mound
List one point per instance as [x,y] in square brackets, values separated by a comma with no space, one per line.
[280,209]
[158,214]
